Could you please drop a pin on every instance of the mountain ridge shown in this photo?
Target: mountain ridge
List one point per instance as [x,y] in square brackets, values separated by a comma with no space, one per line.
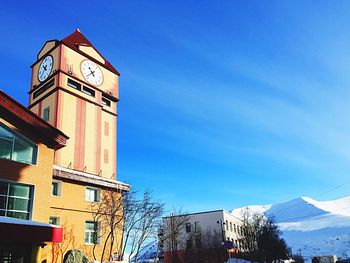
[311,227]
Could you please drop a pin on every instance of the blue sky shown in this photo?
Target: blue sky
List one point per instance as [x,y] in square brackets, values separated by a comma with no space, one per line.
[222,103]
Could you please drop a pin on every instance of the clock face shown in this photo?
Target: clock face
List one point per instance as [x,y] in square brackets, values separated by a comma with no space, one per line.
[91,72]
[45,68]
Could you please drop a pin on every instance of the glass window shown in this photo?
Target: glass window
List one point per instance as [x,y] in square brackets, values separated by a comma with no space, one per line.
[92,194]
[106,102]
[226,224]
[54,220]
[56,188]
[88,91]
[15,147]
[231,226]
[73,84]
[15,200]
[196,227]
[189,243]
[188,227]
[6,143]
[46,114]
[91,232]
[43,88]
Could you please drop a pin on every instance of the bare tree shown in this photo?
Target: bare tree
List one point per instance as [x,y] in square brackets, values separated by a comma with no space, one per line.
[68,241]
[109,215]
[122,213]
[174,226]
[146,223]
[207,247]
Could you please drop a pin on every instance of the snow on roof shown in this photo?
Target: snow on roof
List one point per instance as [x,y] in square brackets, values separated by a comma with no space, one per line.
[122,185]
[16,221]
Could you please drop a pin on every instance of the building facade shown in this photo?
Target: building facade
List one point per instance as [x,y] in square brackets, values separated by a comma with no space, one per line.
[198,231]
[74,91]
[27,147]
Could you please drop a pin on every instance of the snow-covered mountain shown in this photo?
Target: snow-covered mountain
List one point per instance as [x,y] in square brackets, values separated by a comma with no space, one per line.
[311,227]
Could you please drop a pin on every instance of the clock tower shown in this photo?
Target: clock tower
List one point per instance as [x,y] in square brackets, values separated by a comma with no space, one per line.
[75,89]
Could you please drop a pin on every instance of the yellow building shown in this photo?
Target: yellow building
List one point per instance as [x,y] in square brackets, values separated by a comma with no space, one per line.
[27,146]
[75,89]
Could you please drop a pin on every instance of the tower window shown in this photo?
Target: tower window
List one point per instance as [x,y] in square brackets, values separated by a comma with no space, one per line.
[88,91]
[106,102]
[43,88]
[73,84]
[46,114]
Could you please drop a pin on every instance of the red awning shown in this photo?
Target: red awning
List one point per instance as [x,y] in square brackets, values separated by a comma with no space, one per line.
[13,229]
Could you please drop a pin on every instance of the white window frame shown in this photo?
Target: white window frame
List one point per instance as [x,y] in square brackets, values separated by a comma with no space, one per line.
[88,197]
[94,236]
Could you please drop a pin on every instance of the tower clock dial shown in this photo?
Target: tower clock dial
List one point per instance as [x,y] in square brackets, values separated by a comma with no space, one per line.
[45,68]
[91,72]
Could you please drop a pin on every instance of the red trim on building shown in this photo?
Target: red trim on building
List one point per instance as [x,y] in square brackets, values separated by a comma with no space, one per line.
[114,157]
[98,138]
[80,128]
[30,232]
[53,137]
[40,108]
[77,39]
[105,156]
[106,128]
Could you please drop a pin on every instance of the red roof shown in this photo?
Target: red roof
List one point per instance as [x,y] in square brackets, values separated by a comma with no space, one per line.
[11,109]
[77,39]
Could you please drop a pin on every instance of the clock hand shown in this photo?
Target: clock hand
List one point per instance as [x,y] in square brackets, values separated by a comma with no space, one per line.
[91,73]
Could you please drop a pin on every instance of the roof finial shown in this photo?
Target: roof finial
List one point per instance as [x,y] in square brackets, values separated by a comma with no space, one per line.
[78,29]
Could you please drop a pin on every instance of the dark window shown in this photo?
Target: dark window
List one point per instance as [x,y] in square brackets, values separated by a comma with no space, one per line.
[189,243]
[73,84]
[54,220]
[15,200]
[197,227]
[106,102]
[88,91]
[43,88]
[188,227]
[56,188]
[15,147]
[198,241]
[46,114]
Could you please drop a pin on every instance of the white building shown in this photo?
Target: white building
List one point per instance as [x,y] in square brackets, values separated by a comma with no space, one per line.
[220,221]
